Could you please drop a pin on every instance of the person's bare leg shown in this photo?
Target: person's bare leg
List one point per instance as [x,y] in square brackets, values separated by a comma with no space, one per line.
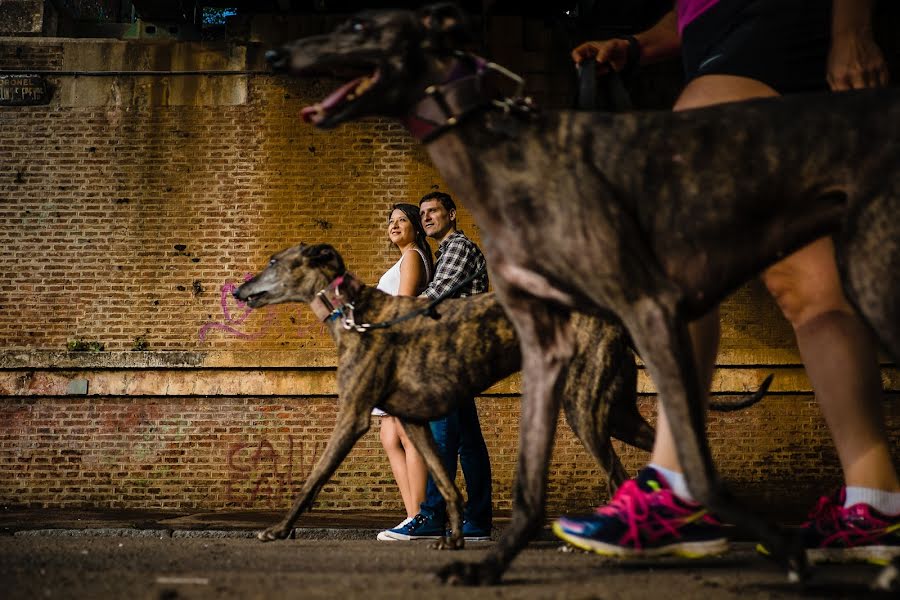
[839,354]
[416,470]
[703,91]
[390,440]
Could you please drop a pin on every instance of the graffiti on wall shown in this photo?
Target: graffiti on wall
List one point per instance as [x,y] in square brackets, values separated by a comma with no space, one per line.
[259,476]
[235,312]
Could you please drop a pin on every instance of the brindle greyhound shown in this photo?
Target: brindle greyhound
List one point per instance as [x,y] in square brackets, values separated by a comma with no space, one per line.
[652,217]
[419,369]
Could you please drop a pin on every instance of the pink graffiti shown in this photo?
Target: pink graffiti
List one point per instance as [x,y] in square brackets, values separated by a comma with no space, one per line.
[255,475]
[231,323]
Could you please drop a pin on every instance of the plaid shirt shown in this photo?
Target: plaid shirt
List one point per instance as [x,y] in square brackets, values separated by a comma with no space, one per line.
[457,258]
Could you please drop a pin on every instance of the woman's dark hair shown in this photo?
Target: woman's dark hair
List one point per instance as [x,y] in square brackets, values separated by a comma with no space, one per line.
[412,213]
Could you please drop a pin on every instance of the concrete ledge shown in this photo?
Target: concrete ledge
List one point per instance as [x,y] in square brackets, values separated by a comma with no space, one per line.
[303,381]
[99,532]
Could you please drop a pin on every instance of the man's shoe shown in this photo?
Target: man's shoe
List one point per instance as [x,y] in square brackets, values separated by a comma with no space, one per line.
[474,533]
[384,537]
[857,533]
[645,519]
[420,527]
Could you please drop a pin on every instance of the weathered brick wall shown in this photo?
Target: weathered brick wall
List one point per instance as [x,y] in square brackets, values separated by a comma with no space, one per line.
[131,206]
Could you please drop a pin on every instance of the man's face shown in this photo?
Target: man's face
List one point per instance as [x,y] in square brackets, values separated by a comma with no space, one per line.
[436,219]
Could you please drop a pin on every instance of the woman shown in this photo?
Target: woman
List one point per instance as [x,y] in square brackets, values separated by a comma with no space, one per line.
[737,50]
[408,277]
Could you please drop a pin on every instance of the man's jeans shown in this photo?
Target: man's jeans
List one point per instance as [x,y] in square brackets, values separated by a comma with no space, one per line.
[460,433]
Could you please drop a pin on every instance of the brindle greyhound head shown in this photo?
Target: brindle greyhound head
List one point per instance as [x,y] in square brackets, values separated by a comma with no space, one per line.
[391,55]
[293,275]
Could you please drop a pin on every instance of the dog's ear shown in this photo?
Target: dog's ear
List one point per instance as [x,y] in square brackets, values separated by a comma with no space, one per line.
[446,27]
[325,257]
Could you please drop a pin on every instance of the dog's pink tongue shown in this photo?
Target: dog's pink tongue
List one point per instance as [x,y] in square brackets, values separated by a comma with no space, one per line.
[310,113]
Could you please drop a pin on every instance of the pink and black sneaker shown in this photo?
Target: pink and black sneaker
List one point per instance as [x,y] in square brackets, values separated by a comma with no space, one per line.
[857,533]
[645,519]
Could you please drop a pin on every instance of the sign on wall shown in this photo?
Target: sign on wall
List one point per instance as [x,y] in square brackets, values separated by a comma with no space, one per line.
[24,90]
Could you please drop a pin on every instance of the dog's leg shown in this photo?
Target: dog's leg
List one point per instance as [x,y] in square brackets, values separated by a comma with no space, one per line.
[350,426]
[888,579]
[868,256]
[662,339]
[420,436]
[587,413]
[600,395]
[546,348]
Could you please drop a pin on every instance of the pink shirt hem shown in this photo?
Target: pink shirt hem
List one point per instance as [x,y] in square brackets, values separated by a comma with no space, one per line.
[688,10]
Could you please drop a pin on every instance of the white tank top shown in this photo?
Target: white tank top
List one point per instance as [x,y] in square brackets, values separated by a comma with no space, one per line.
[390,281]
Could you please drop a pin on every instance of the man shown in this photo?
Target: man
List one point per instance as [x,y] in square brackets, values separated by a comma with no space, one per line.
[459,432]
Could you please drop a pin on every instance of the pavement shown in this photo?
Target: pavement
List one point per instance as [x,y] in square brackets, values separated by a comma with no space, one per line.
[86,522]
[117,553]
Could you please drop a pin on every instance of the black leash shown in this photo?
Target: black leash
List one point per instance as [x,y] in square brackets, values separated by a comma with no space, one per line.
[607,92]
[428,310]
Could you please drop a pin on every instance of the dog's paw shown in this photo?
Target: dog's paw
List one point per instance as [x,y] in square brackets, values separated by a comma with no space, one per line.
[889,578]
[278,532]
[470,573]
[449,543]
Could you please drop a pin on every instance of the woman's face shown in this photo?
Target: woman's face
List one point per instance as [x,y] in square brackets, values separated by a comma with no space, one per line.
[400,230]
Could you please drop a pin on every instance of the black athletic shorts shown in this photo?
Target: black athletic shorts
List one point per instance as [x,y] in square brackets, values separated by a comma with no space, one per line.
[782,43]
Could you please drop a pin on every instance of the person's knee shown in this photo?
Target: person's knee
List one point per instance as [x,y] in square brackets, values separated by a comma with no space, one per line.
[803,299]
[390,439]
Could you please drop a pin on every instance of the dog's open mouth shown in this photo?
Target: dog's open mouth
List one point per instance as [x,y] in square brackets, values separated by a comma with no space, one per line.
[340,98]
[254,300]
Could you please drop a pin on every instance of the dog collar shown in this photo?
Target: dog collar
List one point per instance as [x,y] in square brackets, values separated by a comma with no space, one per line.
[333,301]
[445,105]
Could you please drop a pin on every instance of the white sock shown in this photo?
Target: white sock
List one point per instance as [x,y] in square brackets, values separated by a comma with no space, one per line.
[675,481]
[887,503]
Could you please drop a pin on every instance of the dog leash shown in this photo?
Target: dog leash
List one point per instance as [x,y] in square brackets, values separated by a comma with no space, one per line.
[346,310]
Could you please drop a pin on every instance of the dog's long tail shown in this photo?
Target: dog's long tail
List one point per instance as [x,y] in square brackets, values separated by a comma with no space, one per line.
[746,402]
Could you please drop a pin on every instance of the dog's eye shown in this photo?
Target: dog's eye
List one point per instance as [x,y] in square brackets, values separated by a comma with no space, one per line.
[273,262]
[359,27]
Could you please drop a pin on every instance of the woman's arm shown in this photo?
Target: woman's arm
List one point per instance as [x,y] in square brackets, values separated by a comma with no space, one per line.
[412,274]
[655,44]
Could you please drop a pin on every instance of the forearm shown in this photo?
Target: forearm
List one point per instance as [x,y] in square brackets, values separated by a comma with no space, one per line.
[438,288]
[850,16]
[661,41]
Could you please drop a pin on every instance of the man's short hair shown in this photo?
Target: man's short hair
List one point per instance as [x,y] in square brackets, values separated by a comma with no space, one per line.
[442,197]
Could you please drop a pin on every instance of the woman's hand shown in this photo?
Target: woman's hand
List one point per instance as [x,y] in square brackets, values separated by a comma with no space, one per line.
[609,54]
[855,62]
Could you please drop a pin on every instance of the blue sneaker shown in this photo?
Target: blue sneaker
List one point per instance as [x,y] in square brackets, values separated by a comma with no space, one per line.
[421,527]
[645,518]
[473,533]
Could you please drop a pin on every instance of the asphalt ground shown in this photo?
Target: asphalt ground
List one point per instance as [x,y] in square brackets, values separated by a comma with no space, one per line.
[171,567]
[139,554]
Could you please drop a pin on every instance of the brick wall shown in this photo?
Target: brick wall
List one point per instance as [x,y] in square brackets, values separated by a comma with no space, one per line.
[251,452]
[131,206]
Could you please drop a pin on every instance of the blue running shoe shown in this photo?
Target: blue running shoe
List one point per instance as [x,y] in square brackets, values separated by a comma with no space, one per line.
[645,519]
[420,527]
